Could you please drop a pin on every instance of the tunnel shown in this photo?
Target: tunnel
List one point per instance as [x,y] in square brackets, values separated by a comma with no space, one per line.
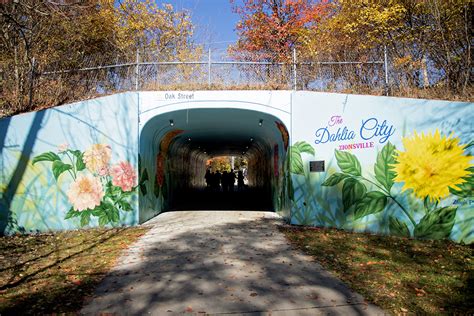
[176,147]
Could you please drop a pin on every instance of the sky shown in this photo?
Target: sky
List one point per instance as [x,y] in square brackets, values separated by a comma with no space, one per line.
[214,20]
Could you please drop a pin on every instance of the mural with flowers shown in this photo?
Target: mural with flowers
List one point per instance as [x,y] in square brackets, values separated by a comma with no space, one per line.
[430,167]
[98,189]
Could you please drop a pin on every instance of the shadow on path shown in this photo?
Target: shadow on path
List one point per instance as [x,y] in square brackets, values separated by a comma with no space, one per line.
[221,263]
[206,199]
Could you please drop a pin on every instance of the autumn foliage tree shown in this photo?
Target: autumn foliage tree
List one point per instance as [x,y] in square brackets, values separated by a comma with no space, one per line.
[269,29]
[429,41]
[38,36]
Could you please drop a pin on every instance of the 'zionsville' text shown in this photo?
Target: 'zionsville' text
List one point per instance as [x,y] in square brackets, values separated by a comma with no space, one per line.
[356,146]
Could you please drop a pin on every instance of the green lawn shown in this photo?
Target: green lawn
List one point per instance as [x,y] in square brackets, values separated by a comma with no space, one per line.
[400,275]
[55,273]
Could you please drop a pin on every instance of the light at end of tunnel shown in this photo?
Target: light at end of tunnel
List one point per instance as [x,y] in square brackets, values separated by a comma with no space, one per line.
[260,123]
[171,123]
[189,139]
[251,139]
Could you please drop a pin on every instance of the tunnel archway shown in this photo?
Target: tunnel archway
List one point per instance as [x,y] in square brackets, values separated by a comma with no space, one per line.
[175,146]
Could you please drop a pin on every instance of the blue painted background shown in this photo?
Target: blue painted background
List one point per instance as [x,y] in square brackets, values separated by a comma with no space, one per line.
[33,200]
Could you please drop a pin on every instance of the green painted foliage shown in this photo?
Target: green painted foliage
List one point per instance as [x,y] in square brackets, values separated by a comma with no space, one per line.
[304,147]
[335,178]
[296,161]
[48,156]
[437,224]
[383,168]
[59,167]
[352,192]
[348,163]
[372,203]
[398,227]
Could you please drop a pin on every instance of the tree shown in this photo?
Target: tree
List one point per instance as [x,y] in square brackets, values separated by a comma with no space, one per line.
[429,41]
[40,33]
[269,29]
[41,36]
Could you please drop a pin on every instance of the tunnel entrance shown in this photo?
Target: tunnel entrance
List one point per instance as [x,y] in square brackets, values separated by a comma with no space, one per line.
[226,188]
[178,147]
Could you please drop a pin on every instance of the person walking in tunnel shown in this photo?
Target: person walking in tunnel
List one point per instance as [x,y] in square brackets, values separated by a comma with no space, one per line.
[208,177]
[225,181]
[231,180]
[217,179]
[240,181]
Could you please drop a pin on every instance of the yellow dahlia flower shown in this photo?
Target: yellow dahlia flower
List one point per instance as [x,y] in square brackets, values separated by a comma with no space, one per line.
[431,164]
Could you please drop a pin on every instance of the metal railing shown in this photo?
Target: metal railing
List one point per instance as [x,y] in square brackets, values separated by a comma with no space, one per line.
[140,78]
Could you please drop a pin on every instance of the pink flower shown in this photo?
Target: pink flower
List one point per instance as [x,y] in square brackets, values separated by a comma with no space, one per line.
[63,147]
[85,193]
[97,157]
[123,175]
[104,171]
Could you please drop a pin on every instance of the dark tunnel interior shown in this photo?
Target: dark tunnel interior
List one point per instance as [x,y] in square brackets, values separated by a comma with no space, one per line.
[177,147]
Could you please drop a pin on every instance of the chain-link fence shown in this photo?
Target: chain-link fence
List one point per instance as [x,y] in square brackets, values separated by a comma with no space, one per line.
[213,69]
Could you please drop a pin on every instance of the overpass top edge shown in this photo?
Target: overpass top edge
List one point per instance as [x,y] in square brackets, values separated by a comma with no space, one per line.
[303,92]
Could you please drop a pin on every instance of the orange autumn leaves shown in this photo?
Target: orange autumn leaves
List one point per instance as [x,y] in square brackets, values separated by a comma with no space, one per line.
[269,29]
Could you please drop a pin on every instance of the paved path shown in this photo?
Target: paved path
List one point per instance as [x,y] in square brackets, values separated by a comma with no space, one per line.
[221,262]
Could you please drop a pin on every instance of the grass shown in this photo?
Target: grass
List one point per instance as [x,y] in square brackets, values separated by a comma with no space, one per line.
[57,272]
[400,275]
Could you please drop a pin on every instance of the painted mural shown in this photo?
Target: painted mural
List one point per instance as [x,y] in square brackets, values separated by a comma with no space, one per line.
[70,167]
[98,189]
[155,175]
[382,176]
[394,166]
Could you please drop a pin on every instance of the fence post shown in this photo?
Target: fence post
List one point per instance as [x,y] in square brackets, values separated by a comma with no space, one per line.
[385,66]
[209,68]
[137,69]
[294,68]
[32,85]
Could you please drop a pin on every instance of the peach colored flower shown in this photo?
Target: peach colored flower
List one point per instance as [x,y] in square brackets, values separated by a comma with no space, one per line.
[63,147]
[123,175]
[97,158]
[104,171]
[85,193]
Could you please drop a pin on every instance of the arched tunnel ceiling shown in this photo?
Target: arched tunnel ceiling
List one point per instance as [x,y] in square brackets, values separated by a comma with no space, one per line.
[222,131]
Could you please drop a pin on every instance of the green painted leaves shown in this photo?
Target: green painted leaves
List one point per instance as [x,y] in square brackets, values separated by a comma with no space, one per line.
[335,178]
[304,147]
[47,156]
[373,202]
[398,227]
[296,161]
[352,192]
[80,165]
[437,224]
[348,163]
[59,167]
[383,168]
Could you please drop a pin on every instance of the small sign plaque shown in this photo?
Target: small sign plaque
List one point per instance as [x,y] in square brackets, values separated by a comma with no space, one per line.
[316,166]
